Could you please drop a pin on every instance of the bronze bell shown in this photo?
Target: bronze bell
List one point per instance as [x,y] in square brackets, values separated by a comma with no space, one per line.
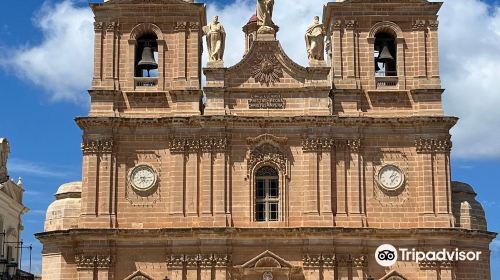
[148,60]
[385,55]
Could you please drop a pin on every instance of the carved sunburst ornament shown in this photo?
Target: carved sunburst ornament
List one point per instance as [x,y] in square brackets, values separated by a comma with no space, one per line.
[267,70]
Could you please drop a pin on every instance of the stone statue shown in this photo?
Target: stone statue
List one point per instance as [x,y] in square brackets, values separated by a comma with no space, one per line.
[265,16]
[4,155]
[216,40]
[315,40]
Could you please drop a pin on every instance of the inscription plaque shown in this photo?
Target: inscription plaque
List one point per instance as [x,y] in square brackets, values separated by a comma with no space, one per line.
[267,101]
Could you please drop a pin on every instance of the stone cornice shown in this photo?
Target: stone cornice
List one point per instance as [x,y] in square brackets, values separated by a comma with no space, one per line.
[90,146]
[433,145]
[269,122]
[364,233]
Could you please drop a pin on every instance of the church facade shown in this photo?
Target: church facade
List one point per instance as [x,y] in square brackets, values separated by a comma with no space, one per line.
[271,170]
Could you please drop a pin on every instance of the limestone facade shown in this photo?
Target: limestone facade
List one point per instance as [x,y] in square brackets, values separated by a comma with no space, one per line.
[284,172]
[11,209]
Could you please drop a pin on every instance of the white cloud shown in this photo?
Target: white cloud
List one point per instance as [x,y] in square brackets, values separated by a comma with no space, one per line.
[62,63]
[469,41]
[35,169]
[470,67]
[495,246]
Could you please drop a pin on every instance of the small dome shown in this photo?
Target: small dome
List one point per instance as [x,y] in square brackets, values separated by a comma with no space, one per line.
[63,214]
[459,187]
[69,188]
[252,19]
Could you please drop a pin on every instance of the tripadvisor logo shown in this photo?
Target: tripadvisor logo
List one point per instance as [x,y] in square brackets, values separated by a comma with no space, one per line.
[387,255]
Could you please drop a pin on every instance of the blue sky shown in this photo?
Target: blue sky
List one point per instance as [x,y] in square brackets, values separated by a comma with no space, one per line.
[45,70]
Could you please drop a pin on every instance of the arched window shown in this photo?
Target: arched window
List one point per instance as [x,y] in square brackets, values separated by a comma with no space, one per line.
[146,56]
[385,55]
[267,194]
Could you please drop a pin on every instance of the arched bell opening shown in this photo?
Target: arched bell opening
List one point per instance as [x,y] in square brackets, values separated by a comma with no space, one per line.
[385,55]
[146,56]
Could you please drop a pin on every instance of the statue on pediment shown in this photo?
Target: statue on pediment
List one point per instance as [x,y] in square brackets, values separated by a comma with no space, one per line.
[315,40]
[216,40]
[4,155]
[265,16]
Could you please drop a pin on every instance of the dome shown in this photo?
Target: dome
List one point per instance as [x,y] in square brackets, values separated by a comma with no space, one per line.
[64,213]
[459,187]
[252,19]
[73,188]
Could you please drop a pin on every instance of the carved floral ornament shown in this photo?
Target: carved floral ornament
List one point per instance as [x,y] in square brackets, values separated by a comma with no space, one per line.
[267,154]
[327,144]
[203,144]
[92,146]
[205,261]
[433,145]
[330,261]
[267,70]
[91,261]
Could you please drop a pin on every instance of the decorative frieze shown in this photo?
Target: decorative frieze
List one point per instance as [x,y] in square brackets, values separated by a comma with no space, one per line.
[419,25]
[360,261]
[84,261]
[180,26]
[195,145]
[351,24]
[433,25]
[312,261]
[97,146]
[436,264]
[198,260]
[433,145]
[322,144]
[112,26]
[98,26]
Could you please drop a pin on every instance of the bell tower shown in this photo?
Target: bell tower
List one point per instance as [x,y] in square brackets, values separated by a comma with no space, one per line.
[149,59]
[384,57]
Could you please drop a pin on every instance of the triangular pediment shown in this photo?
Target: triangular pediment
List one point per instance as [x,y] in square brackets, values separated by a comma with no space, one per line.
[11,190]
[266,65]
[139,275]
[393,275]
[267,259]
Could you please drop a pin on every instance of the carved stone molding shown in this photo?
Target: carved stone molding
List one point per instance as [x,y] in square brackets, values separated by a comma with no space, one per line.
[198,260]
[360,261]
[180,26]
[312,261]
[97,146]
[433,25]
[267,70]
[84,261]
[194,26]
[175,261]
[433,145]
[323,144]
[221,260]
[112,26]
[194,145]
[436,264]
[419,25]
[254,141]
[267,153]
[351,24]
[98,26]
[337,25]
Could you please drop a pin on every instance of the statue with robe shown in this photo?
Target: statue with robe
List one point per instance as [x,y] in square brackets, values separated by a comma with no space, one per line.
[216,40]
[265,14]
[315,40]
[4,155]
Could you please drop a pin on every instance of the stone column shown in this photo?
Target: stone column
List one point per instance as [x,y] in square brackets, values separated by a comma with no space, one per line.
[98,51]
[109,53]
[359,266]
[344,267]
[104,268]
[181,56]
[433,49]
[312,266]
[329,265]
[175,265]
[85,265]
[337,59]
[222,263]
[349,52]
[191,262]
[419,48]
[206,267]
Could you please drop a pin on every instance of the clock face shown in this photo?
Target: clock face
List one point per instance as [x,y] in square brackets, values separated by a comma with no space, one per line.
[143,178]
[267,276]
[391,177]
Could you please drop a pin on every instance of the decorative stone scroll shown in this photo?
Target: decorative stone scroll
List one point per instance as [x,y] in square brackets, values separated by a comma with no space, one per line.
[90,261]
[97,146]
[433,145]
[203,144]
[322,144]
[267,101]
